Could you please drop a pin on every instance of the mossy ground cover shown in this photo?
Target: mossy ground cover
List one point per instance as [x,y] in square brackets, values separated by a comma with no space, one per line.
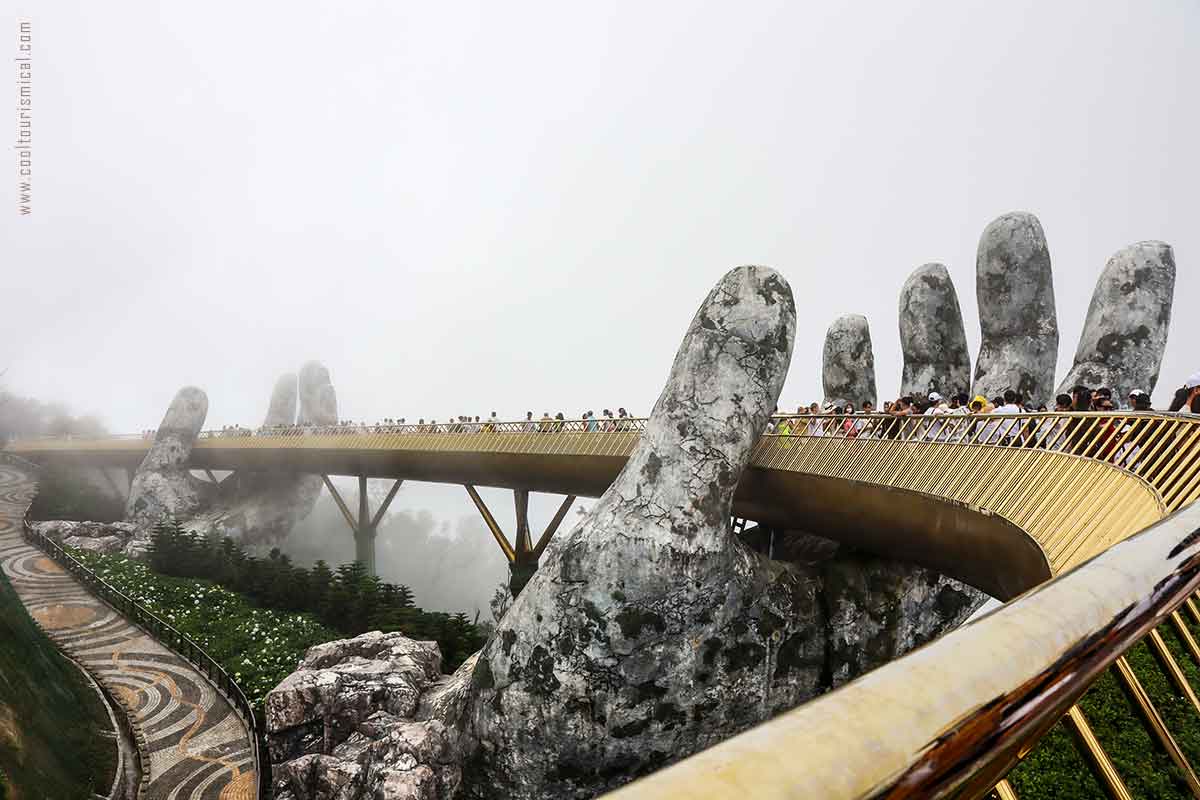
[51,719]
[1055,768]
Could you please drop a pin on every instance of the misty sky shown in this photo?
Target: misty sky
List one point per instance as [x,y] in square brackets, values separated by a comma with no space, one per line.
[464,208]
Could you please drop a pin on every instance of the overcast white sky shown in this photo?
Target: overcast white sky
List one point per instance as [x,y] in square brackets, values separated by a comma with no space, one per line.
[462,208]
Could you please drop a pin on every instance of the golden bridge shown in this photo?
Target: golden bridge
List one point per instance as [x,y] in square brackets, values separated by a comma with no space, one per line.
[1039,510]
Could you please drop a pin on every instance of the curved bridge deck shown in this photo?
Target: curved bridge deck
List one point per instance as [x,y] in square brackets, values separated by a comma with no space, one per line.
[1000,502]
[198,746]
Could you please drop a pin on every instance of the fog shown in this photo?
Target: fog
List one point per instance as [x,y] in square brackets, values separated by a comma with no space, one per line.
[442,551]
[475,207]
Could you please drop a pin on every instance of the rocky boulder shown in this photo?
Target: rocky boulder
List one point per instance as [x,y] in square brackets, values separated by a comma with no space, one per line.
[1125,332]
[98,537]
[339,685]
[1017,318]
[848,363]
[932,336]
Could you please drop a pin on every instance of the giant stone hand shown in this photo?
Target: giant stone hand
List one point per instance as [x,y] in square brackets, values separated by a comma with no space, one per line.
[263,507]
[256,508]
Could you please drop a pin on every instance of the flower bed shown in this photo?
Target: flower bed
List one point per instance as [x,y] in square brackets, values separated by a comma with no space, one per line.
[258,647]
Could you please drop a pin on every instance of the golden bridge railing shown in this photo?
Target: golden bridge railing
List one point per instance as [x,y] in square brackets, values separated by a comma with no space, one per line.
[954,716]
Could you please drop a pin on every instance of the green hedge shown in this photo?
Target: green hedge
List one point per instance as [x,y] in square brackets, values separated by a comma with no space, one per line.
[347,599]
[259,645]
[1055,770]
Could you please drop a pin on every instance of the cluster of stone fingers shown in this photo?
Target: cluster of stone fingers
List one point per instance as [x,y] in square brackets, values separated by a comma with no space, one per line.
[1122,343]
[258,507]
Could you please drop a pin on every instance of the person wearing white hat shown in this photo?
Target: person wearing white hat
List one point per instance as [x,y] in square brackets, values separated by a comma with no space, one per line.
[1139,400]
[937,407]
[1192,387]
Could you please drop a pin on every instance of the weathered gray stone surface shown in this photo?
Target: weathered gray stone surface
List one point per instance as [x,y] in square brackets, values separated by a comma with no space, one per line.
[318,400]
[932,336]
[282,408]
[99,537]
[263,507]
[1125,333]
[344,724]
[162,486]
[648,633]
[1017,315]
[848,364]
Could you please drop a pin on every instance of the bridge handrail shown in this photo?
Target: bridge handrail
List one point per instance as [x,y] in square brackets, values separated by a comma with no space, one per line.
[181,644]
[1162,449]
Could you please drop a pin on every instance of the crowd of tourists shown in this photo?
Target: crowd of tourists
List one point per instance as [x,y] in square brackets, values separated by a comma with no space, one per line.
[587,422]
[931,417]
[979,420]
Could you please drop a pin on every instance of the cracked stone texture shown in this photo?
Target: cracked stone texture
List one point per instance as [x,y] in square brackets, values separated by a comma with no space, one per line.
[848,364]
[344,724]
[99,537]
[649,632]
[263,507]
[162,486]
[621,653]
[1125,332]
[1015,290]
[932,336]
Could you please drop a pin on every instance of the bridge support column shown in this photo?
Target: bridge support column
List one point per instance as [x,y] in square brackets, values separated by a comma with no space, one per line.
[522,556]
[365,526]
[112,484]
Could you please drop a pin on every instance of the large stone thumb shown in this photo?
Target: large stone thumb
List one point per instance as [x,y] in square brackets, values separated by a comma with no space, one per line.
[931,335]
[1017,318]
[162,485]
[318,400]
[847,362]
[677,487]
[1125,333]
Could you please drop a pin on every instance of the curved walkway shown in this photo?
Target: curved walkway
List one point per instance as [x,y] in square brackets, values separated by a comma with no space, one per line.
[199,748]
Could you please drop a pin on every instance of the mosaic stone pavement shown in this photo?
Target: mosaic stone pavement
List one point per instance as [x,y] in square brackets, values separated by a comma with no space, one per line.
[198,746]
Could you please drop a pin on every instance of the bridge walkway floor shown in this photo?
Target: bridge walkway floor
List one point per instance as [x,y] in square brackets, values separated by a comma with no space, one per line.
[199,748]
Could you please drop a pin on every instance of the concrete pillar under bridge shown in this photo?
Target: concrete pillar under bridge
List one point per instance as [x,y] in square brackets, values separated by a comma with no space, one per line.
[365,525]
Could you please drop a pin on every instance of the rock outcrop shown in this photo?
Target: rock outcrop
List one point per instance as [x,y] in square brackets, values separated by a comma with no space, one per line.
[932,336]
[347,720]
[1017,315]
[1125,333]
[848,364]
[162,486]
[98,537]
